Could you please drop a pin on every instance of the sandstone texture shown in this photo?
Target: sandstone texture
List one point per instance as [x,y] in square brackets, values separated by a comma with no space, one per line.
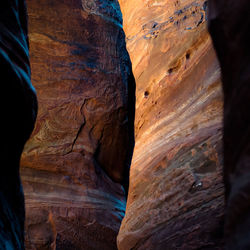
[80,151]
[229,23]
[176,195]
[18,113]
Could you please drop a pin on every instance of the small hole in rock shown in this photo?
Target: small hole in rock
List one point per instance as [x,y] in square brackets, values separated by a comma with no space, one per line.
[146,94]
[187,56]
[170,71]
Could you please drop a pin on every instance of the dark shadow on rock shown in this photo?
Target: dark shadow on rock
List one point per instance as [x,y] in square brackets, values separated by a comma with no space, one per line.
[229,23]
[18,114]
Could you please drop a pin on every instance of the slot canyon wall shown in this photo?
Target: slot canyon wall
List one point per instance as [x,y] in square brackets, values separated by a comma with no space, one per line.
[176,195]
[229,23]
[78,156]
[82,72]
[18,114]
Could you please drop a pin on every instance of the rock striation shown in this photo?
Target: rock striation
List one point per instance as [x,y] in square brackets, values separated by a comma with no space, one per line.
[229,26]
[80,151]
[18,114]
[176,195]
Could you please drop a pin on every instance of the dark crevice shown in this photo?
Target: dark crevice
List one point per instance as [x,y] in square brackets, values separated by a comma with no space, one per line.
[78,132]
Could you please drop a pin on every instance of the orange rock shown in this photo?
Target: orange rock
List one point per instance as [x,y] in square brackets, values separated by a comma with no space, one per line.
[81,147]
[176,196]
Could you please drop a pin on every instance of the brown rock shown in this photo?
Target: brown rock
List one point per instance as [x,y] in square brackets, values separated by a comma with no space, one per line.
[83,140]
[176,192]
[229,26]
[18,112]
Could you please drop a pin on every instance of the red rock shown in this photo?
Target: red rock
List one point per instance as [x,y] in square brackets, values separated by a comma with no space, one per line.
[18,113]
[83,140]
[229,26]
[176,192]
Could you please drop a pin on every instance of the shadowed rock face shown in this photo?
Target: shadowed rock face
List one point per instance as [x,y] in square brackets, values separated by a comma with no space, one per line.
[80,151]
[176,192]
[18,113]
[229,23]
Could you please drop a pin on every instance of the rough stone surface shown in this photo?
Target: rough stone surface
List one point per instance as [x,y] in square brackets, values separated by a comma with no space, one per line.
[176,192]
[229,23]
[81,146]
[18,112]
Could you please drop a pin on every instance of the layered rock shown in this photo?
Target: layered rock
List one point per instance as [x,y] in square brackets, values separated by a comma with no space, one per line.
[229,27]
[18,112]
[81,147]
[176,192]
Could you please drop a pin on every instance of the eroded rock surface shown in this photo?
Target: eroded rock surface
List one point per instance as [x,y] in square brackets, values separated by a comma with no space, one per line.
[82,143]
[18,113]
[176,192]
[229,23]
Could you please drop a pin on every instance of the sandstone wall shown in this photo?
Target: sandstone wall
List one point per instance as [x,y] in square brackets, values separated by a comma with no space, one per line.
[176,192]
[229,23]
[82,143]
[18,114]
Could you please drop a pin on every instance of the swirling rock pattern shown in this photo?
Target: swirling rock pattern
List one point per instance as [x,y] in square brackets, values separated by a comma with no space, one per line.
[176,192]
[81,147]
[109,10]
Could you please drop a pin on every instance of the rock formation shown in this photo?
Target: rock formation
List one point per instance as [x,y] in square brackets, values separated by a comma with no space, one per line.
[18,112]
[75,164]
[81,147]
[176,195]
[229,26]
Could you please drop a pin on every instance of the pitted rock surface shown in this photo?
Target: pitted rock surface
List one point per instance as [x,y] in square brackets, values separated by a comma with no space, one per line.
[176,195]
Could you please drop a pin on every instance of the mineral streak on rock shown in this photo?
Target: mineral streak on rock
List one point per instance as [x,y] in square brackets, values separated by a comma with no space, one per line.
[229,23]
[108,10]
[18,113]
[82,144]
[176,192]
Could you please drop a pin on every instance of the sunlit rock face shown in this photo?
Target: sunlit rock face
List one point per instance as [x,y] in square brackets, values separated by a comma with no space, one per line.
[229,23]
[82,143]
[176,191]
[18,113]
